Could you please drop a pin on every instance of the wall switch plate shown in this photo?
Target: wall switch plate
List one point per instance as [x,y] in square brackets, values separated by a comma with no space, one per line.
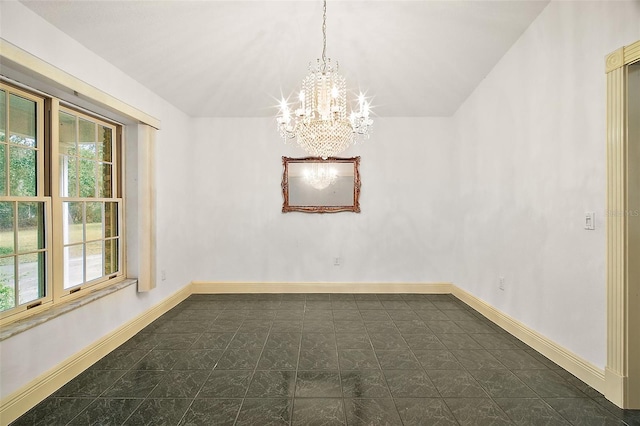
[163,275]
[590,221]
[501,283]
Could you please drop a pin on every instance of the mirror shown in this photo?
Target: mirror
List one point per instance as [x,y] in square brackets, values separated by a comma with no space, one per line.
[314,185]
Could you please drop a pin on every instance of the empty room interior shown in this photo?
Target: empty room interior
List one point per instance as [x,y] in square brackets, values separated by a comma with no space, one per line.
[166,256]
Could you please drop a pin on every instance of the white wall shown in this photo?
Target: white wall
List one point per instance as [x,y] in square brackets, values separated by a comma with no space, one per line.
[532,155]
[402,235]
[64,336]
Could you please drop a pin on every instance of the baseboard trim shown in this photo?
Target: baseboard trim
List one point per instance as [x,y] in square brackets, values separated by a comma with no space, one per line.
[32,393]
[579,367]
[22,400]
[211,287]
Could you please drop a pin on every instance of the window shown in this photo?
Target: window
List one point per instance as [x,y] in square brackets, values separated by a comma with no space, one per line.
[60,202]
[89,204]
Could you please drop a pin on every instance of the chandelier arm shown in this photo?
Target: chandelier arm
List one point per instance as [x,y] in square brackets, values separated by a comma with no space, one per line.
[324,37]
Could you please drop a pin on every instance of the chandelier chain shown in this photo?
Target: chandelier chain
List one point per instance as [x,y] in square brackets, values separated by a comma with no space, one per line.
[324,37]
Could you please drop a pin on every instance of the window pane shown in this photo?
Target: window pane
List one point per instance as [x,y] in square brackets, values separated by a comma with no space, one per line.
[87,177]
[30,226]
[104,180]
[104,145]
[67,134]
[68,183]
[3,169]
[94,260]
[6,228]
[94,221]
[87,139]
[73,266]
[22,171]
[22,122]
[110,220]
[72,228]
[110,257]
[7,283]
[31,277]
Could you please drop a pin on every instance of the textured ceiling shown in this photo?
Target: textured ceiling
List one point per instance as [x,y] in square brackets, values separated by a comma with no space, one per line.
[236,58]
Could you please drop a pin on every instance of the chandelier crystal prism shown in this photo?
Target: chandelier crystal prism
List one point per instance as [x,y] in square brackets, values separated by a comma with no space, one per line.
[321,125]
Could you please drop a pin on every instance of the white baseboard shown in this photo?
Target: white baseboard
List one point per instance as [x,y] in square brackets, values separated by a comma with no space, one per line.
[32,393]
[579,367]
[22,400]
[210,287]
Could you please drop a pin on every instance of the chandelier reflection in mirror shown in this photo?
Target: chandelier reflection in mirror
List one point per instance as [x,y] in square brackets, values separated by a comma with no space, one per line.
[320,124]
[320,175]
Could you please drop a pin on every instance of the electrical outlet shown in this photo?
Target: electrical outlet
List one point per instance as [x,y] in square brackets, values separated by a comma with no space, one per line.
[163,275]
[337,261]
[501,283]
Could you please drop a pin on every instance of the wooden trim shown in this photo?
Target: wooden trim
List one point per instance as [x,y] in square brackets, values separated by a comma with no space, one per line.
[22,400]
[212,287]
[584,370]
[621,368]
[24,60]
[632,53]
[146,209]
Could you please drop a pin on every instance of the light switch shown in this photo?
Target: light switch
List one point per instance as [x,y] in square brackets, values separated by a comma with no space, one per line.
[590,221]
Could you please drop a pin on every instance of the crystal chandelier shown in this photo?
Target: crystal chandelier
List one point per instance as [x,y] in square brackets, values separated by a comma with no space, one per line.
[320,175]
[321,124]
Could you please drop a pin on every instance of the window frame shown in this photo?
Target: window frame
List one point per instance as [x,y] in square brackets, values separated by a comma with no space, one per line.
[48,190]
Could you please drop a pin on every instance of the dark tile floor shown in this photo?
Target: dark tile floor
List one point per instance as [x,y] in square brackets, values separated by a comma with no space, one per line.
[320,359]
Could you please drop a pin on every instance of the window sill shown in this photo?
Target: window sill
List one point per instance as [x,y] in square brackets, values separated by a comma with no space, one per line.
[19,326]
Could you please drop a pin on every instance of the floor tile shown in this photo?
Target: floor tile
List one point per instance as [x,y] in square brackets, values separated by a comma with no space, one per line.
[477,411]
[368,411]
[410,384]
[272,384]
[458,341]
[239,359]
[197,359]
[318,384]
[517,359]
[90,383]
[355,359]
[107,411]
[437,360]
[473,359]
[546,383]
[502,384]
[353,341]
[374,315]
[325,359]
[221,412]
[364,384]
[135,384]
[265,412]
[226,384]
[180,384]
[530,411]
[279,359]
[53,411]
[212,341]
[582,411]
[159,411]
[318,412]
[424,342]
[319,359]
[425,412]
[397,360]
[456,383]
